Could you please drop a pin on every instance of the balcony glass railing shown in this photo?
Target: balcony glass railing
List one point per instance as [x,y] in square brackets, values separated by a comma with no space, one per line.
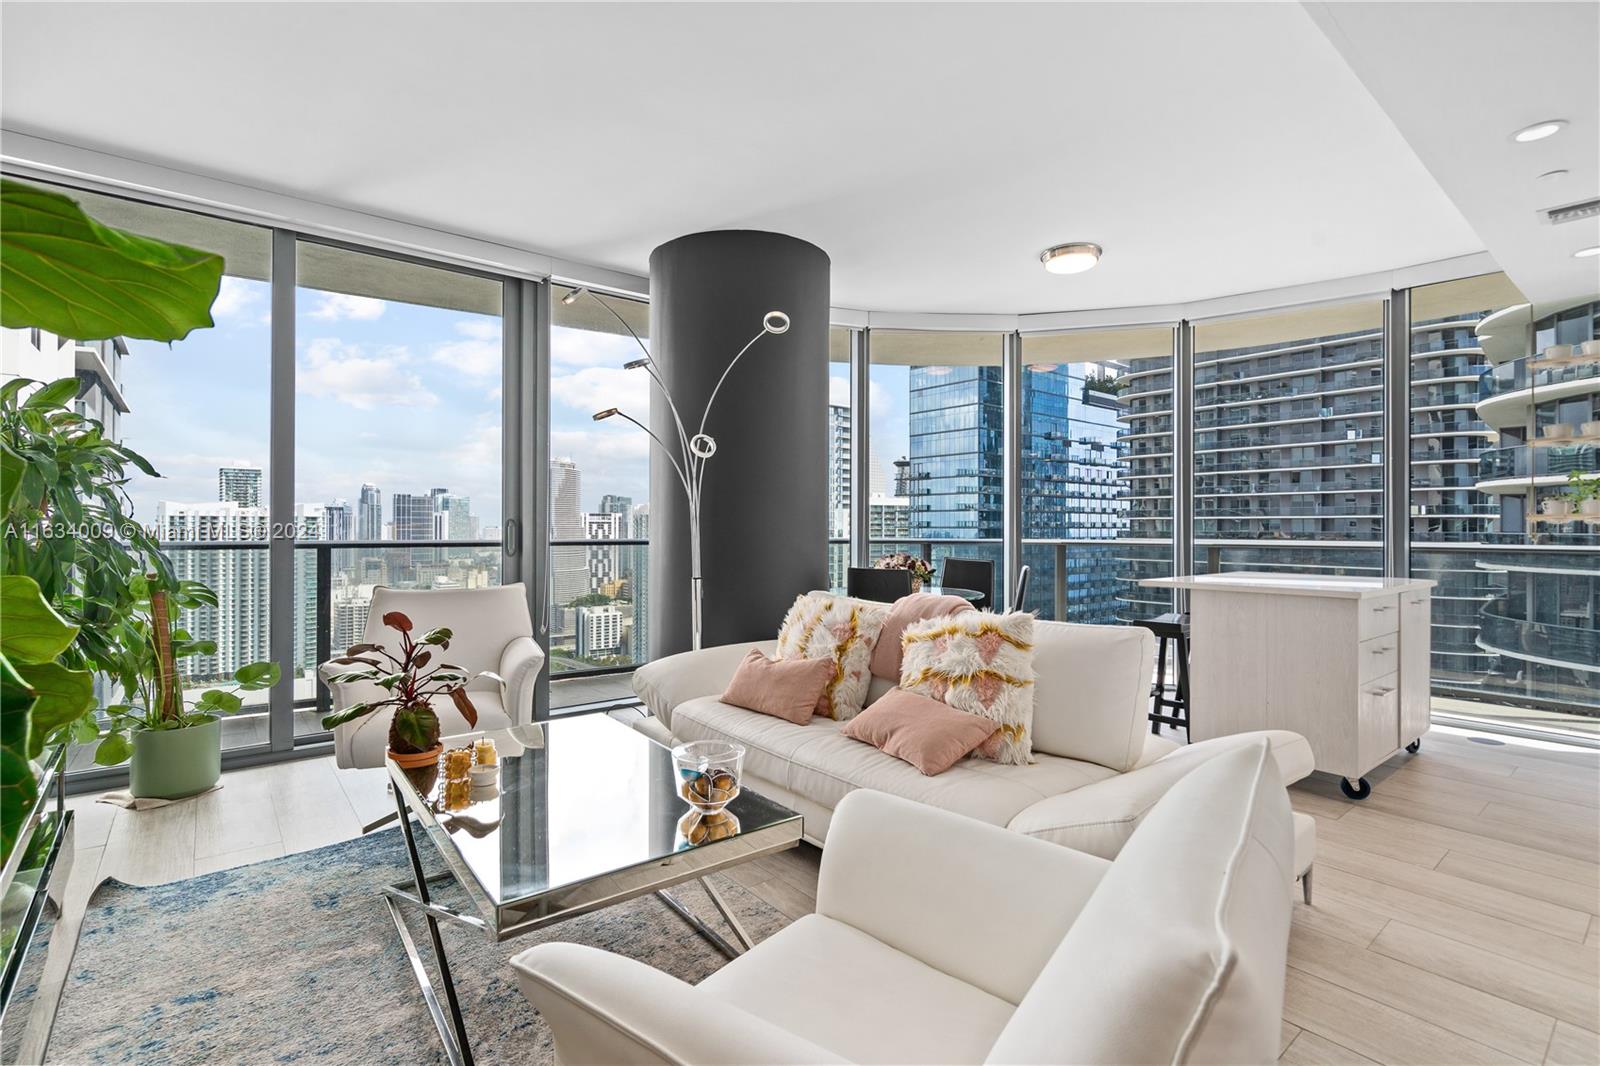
[1520,374]
[1523,461]
[599,606]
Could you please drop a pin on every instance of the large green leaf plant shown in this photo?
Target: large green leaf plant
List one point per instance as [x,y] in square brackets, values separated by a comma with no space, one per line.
[76,572]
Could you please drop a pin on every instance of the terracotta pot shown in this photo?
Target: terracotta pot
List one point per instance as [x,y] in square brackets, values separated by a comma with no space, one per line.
[412,759]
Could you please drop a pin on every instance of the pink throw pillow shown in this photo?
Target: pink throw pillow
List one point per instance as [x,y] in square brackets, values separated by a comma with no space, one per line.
[917,607]
[929,735]
[784,688]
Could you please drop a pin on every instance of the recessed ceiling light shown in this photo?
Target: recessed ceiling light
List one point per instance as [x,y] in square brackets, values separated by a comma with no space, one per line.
[1072,258]
[1539,130]
[1584,253]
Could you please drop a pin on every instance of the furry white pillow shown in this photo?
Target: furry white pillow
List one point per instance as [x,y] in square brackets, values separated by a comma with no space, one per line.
[981,663]
[820,626]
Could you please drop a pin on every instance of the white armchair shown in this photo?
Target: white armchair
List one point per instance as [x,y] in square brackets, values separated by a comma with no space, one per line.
[938,938]
[493,632]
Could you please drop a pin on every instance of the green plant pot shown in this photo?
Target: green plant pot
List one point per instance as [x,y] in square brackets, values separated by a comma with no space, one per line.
[173,763]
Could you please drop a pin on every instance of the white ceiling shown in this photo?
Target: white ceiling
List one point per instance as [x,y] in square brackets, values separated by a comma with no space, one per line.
[931,150]
[1458,79]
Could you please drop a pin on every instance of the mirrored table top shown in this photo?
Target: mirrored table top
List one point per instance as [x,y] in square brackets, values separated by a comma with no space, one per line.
[584,812]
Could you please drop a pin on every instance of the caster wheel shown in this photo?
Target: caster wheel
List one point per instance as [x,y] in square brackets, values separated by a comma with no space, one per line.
[1359,791]
[1415,746]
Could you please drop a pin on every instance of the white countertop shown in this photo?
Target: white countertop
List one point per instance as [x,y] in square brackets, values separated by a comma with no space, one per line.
[1279,584]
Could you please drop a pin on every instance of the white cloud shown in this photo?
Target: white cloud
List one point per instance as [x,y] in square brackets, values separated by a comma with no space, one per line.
[838,392]
[235,295]
[598,387]
[585,347]
[880,400]
[346,372]
[474,358]
[480,329]
[342,305]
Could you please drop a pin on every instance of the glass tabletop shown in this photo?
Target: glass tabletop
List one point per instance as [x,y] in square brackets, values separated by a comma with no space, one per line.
[970,595]
[583,811]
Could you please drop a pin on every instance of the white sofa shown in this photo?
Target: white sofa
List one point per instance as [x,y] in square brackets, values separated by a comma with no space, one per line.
[1098,768]
[493,632]
[940,939]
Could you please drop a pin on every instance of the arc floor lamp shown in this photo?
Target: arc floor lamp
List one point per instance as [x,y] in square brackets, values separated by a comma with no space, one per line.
[694,451]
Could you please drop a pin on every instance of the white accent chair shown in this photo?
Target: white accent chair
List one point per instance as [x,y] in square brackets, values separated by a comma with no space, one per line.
[938,938]
[493,632]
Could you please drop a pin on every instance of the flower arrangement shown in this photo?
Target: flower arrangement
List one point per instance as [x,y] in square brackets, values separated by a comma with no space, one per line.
[921,569]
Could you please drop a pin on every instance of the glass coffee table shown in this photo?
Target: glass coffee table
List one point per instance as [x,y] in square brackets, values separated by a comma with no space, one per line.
[585,813]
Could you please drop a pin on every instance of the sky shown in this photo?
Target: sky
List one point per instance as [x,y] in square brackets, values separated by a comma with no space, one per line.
[402,396]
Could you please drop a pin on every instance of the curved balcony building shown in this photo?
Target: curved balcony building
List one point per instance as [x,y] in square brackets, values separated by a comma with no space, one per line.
[1541,622]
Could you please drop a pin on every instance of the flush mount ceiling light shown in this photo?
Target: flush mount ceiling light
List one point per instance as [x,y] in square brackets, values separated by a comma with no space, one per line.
[1585,253]
[1072,258]
[1539,130]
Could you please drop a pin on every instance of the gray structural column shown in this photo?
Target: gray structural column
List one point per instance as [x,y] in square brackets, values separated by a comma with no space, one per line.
[1397,434]
[764,507]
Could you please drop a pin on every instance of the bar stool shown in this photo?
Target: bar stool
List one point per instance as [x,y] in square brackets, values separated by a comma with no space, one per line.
[1173,627]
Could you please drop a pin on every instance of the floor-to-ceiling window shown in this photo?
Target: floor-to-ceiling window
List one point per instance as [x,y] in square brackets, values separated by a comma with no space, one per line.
[397,459]
[199,411]
[1502,454]
[1288,441]
[599,493]
[936,469]
[1096,477]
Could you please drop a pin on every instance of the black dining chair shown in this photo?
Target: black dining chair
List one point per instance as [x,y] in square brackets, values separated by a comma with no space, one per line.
[1020,600]
[974,574]
[870,583]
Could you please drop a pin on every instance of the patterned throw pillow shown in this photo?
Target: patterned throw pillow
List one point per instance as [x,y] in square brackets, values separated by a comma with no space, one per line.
[981,663]
[820,626]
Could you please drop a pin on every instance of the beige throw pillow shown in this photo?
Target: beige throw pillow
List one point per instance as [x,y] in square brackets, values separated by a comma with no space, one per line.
[820,626]
[981,663]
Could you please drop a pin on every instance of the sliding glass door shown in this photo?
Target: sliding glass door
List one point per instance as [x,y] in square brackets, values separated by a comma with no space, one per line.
[397,434]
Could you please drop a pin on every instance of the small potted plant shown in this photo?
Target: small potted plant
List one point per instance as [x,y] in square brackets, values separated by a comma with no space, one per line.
[1557,506]
[408,688]
[1584,492]
[174,744]
[921,569]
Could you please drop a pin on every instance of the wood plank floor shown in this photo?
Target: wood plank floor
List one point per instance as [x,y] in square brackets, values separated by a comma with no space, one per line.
[1456,916]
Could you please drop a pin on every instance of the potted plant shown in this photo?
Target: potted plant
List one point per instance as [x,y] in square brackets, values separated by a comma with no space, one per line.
[1559,506]
[175,744]
[1584,492]
[70,553]
[921,569]
[407,688]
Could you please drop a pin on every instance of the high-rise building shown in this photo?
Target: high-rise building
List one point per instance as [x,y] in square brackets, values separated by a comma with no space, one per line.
[1541,619]
[606,561]
[953,478]
[613,504]
[42,356]
[888,518]
[369,513]
[639,521]
[413,516]
[239,623]
[341,520]
[838,471]
[569,564]
[599,631]
[454,519]
[240,485]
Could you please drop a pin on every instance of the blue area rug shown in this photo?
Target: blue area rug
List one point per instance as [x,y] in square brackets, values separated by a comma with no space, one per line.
[296,960]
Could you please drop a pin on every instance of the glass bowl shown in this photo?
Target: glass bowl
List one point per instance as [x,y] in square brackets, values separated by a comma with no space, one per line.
[709,772]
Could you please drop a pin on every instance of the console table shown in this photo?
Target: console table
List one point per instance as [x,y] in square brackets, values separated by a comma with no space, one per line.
[1343,661]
